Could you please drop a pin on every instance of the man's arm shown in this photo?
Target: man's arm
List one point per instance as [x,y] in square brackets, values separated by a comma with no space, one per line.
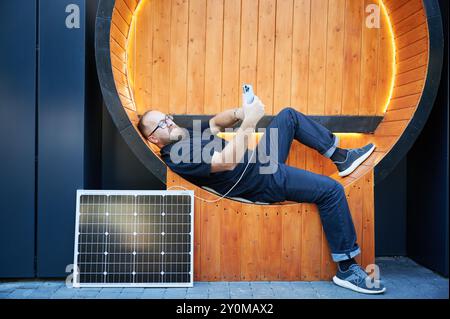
[226,119]
[232,154]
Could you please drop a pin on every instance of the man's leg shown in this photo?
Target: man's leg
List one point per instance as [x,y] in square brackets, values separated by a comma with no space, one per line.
[295,125]
[306,187]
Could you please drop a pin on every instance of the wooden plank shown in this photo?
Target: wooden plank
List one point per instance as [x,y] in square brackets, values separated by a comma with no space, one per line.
[118,51]
[369,68]
[117,19]
[318,56]
[266,53]
[354,196]
[161,55]
[335,59]
[283,55]
[231,93]
[412,36]
[411,76]
[211,240]
[178,57]
[249,43]
[368,224]
[385,66]
[391,128]
[311,243]
[402,114]
[251,239]
[406,11]
[408,89]
[311,229]
[300,55]
[213,57]
[291,242]
[412,50]
[231,240]
[131,4]
[124,11]
[409,23]
[404,102]
[118,36]
[196,57]
[144,58]
[271,242]
[412,63]
[352,53]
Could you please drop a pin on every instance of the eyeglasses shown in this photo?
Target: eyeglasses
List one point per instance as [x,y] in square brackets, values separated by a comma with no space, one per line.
[162,124]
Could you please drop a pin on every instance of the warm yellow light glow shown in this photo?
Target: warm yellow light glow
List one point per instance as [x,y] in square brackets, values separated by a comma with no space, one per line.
[394,68]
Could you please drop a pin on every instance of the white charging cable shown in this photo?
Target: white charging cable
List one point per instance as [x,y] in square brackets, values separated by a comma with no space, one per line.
[215,201]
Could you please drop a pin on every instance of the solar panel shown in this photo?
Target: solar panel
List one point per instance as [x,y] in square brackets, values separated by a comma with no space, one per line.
[134,238]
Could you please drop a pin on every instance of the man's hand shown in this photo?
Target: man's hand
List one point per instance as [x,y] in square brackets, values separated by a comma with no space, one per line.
[235,150]
[254,112]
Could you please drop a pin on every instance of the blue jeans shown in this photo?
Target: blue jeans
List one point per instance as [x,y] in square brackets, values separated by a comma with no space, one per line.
[294,184]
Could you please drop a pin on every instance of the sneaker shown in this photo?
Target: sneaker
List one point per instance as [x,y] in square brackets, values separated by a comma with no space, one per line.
[355,157]
[356,279]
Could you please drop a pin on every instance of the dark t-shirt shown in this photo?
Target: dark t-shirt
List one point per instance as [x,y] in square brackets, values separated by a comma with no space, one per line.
[198,171]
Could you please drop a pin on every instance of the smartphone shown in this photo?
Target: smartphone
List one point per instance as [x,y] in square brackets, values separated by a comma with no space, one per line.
[249,95]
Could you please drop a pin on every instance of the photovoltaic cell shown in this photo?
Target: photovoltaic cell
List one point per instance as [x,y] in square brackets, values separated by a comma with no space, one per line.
[140,238]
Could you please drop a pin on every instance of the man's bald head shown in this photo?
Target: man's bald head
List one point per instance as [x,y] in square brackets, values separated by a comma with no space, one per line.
[162,136]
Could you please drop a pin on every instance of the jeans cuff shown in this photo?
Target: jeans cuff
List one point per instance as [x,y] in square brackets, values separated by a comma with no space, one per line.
[346,256]
[330,152]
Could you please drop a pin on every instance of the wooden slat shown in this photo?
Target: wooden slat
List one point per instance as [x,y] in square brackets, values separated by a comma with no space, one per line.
[196,57]
[118,36]
[406,11]
[300,59]
[291,243]
[211,241]
[213,58]
[251,257]
[391,128]
[144,59]
[161,54]
[385,69]
[409,23]
[271,242]
[354,195]
[404,102]
[131,4]
[412,50]
[318,56]
[249,43]
[312,229]
[266,53]
[178,56]
[335,61]
[351,80]
[368,221]
[408,89]
[411,76]
[369,69]
[412,63]
[231,240]
[402,114]
[231,93]
[283,55]
[412,36]
[120,23]
[124,11]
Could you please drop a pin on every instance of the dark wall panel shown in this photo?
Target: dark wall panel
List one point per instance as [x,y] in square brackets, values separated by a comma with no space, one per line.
[61,136]
[428,178]
[17,138]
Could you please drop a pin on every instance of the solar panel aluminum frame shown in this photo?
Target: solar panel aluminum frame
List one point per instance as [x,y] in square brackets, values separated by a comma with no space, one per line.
[76,281]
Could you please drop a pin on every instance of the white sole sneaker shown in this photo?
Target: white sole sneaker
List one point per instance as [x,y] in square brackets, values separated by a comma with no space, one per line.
[356,163]
[349,285]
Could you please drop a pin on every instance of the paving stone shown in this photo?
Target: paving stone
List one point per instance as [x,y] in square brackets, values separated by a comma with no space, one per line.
[108,295]
[20,293]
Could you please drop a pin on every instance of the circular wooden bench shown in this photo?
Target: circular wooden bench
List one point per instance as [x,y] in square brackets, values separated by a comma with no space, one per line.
[322,57]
